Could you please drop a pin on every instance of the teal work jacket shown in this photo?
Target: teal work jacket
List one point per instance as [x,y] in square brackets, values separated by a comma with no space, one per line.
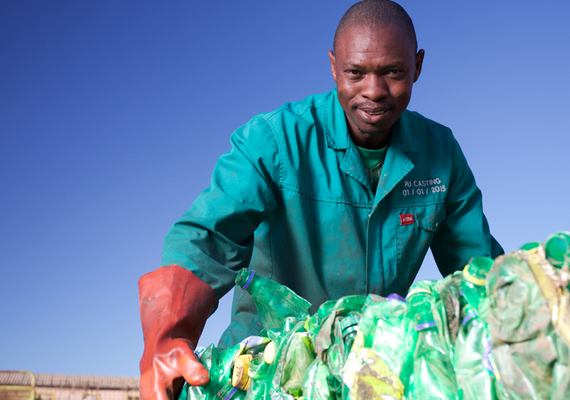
[291,200]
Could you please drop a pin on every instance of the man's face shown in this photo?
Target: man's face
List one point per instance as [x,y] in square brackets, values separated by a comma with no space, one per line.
[374,69]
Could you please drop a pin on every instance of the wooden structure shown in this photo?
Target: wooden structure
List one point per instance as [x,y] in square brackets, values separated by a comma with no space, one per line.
[24,385]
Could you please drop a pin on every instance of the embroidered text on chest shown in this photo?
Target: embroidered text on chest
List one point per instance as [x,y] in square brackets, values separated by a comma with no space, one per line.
[423,187]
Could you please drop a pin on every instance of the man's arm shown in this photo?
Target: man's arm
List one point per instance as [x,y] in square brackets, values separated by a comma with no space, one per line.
[202,253]
[214,238]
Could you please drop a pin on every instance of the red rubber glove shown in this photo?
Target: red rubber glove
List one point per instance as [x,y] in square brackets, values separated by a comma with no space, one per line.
[174,305]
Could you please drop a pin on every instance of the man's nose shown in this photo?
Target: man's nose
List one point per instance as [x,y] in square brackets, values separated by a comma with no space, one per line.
[374,87]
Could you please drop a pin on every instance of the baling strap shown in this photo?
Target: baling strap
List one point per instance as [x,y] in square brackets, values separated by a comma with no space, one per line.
[248,280]
[468,317]
[231,393]
[425,325]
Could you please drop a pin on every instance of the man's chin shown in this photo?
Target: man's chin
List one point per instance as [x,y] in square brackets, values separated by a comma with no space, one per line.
[372,131]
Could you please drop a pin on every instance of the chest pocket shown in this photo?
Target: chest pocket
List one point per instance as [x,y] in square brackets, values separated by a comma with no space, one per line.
[415,228]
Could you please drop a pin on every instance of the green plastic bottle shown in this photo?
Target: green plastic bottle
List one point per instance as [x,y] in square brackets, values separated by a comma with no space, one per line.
[557,248]
[473,366]
[274,302]
[475,273]
[389,338]
[374,364]
[433,373]
[316,382]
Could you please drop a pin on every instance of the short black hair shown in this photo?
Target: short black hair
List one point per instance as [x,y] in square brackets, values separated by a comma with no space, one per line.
[371,13]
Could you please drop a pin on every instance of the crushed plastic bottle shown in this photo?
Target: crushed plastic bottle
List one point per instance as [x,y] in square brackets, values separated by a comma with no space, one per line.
[375,361]
[475,274]
[528,322]
[316,382]
[433,373]
[336,335]
[475,371]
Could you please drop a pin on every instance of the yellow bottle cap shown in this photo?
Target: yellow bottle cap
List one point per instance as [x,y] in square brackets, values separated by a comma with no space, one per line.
[269,353]
[477,269]
[240,379]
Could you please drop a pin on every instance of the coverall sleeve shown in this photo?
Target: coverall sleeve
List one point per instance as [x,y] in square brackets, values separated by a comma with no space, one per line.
[214,238]
[464,233]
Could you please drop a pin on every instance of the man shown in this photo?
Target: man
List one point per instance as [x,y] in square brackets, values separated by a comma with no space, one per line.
[341,193]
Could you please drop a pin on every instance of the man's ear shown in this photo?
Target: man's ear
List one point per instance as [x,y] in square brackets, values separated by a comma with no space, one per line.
[418,64]
[333,64]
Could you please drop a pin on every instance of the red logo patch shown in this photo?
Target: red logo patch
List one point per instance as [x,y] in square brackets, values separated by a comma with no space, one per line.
[406,219]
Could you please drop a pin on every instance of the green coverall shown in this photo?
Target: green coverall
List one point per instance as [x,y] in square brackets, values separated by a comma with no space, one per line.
[292,201]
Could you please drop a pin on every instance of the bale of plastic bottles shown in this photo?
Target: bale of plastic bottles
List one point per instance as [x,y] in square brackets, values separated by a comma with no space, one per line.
[499,329]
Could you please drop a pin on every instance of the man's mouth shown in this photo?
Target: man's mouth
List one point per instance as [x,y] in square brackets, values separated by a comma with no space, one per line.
[373,109]
[371,114]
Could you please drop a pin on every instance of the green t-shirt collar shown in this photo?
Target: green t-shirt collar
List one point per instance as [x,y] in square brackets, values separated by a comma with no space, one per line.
[371,158]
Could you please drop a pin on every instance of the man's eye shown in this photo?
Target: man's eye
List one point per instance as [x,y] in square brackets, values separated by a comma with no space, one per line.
[353,72]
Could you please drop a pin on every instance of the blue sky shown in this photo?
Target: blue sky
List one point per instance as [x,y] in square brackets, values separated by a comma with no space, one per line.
[112,115]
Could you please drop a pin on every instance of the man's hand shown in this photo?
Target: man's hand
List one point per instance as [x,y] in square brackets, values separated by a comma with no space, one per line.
[174,306]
